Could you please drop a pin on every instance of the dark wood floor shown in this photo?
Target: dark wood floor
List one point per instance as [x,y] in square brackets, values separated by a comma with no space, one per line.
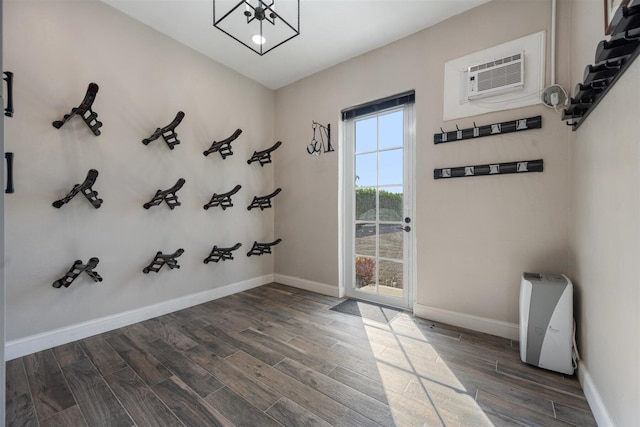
[275,356]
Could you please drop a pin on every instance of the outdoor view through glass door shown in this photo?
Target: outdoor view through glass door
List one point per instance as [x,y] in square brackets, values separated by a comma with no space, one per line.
[380,218]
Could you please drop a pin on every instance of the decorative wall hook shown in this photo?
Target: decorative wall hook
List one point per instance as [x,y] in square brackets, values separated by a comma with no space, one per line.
[490,169]
[488,130]
[264,156]
[169,196]
[8,77]
[222,200]
[76,269]
[317,147]
[84,110]
[263,202]
[9,158]
[224,146]
[85,188]
[262,248]
[167,133]
[221,254]
[161,259]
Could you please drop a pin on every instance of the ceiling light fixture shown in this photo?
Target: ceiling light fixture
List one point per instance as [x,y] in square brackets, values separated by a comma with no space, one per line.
[256,23]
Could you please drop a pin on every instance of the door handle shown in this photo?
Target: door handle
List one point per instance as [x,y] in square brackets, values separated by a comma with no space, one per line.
[9,157]
[406,228]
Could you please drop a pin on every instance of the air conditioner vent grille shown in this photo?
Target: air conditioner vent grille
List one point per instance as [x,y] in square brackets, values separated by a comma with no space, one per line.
[499,77]
[496,77]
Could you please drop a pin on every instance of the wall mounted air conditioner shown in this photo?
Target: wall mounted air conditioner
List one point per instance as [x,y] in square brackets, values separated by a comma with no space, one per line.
[495,77]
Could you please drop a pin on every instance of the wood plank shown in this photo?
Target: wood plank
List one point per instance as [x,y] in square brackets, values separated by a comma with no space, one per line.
[192,374]
[137,398]
[323,406]
[239,411]
[577,417]
[47,384]
[246,344]
[20,410]
[95,399]
[169,333]
[68,354]
[190,408]
[145,365]
[253,390]
[70,417]
[361,383]
[218,347]
[289,413]
[105,358]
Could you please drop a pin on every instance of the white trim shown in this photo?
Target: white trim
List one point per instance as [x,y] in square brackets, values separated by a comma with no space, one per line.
[308,285]
[42,341]
[596,404]
[468,321]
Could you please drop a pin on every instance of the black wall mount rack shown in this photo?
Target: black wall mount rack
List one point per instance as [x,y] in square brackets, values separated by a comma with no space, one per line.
[613,57]
[264,156]
[86,188]
[490,169]
[168,133]
[221,254]
[223,200]
[84,111]
[262,248]
[263,202]
[169,196]
[223,147]
[76,269]
[170,260]
[488,130]
[8,77]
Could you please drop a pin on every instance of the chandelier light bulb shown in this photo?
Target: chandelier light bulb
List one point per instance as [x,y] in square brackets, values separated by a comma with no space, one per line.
[258,39]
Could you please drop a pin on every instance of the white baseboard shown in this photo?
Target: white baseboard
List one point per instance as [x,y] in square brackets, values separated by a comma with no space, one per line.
[42,341]
[307,285]
[596,404]
[480,324]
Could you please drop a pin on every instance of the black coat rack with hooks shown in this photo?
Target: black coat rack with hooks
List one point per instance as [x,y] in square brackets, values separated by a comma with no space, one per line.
[490,169]
[262,248]
[170,260]
[263,202]
[264,156]
[224,146]
[221,254]
[169,196]
[84,110]
[76,269]
[324,145]
[612,58]
[168,133]
[223,200]
[86,188]
[488,130]
[8,77]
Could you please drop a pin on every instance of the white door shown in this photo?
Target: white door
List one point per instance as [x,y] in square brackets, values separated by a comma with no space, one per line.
[378,222]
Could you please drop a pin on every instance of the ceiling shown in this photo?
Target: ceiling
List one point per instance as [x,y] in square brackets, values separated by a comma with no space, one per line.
[331,31]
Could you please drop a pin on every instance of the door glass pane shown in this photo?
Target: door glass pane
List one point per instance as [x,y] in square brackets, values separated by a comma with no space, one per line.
[365,170]
[391,241]
[366,204]
[391,280]
[366,135]
[366,273]
[391,130]
[391,204]
[366,239]
[390,167]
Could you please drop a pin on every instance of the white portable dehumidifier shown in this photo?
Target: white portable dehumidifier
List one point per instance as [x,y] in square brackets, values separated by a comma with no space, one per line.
[546,321]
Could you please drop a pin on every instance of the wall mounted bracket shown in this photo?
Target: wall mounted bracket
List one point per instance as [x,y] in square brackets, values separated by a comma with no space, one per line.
[169,196]
[490,169]
[221,254]
[263,202]
[8,77]
[318,147]
[168,133]
[84,110]
[488,130]
[86,188]
[222,200]
[262,248]
[76,269]
[161,259]
[224,146]
[264,156]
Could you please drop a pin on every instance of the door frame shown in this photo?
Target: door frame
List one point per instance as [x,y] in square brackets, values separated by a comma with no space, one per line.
[347,203]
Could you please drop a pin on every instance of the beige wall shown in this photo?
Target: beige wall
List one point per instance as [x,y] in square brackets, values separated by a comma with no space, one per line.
[55,49]
[605,232]
[475,236]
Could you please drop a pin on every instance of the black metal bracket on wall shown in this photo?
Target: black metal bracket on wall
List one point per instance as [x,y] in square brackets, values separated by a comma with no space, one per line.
[169,196]
[222,200]
[84,111]
[85,188]
[8,77]
[221,254]
[9,158]
[264,156]
[76,269]
[489,169]
[613,57]
[263,202]
[262,248]
[168,133]
[224,146]
[161,259]
[488,130]
[318,147]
